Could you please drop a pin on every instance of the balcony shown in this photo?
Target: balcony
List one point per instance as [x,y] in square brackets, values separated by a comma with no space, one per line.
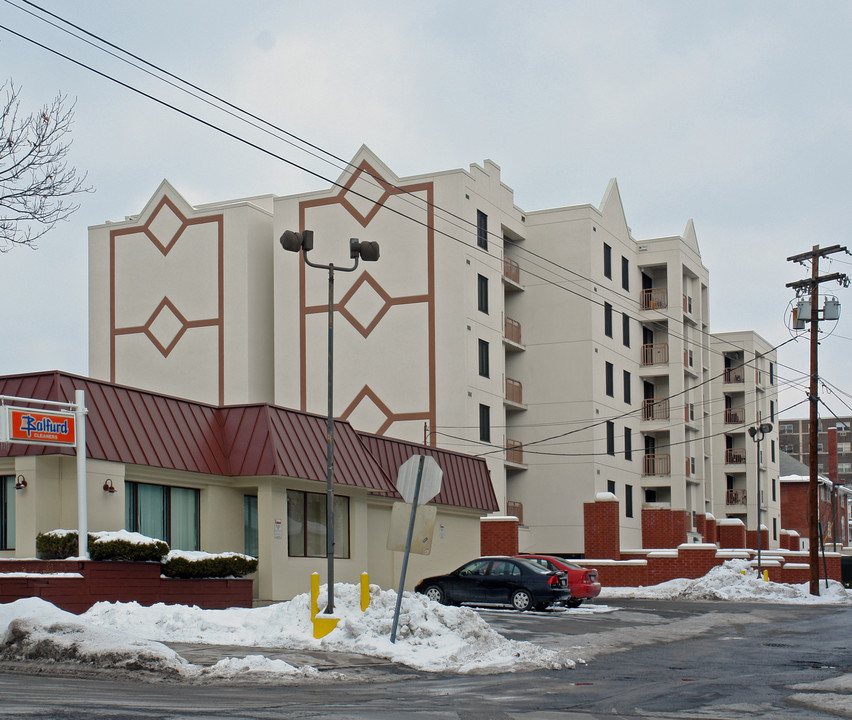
[657,464]
[735,497]
[514,451]
[654,299]
[655,354]
[735,456]
[515,508]
[734,375]
[655,409]
[514,394]
[511,274]
[735,416]
[512,334]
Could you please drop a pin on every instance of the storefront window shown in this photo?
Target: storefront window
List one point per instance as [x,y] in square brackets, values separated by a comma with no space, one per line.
[167,513]
[306,524]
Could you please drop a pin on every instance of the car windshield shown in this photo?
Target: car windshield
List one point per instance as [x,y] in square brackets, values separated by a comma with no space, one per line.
[532,565]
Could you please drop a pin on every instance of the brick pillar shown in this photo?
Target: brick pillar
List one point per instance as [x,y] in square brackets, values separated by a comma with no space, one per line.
[663,528]
[498,535]
[732,533]
[784,540]
[601,530]
[711,532]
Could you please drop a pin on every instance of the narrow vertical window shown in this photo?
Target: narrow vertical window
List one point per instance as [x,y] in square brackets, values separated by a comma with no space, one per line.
[610,486]
[250,525]
[482,229]
[484,423]
[607,319]
[771,373]
[482,293]
[610,380]
[628,444]
[772,411]
[625,330]
[483,359]
[625,273]
[7,512]
[610,438]
[607,261]
[627,387]
[628,501]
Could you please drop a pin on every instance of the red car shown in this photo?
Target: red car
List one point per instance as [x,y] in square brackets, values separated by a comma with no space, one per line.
[583,581]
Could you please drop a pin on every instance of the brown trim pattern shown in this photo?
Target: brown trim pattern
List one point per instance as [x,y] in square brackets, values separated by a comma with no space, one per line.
[165,248]
[427,414]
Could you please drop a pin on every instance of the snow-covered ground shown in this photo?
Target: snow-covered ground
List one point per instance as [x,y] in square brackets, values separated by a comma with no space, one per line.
[430,637]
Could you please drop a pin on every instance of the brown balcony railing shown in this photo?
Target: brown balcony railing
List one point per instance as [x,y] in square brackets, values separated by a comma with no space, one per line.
[654,298]
[655,409]
[688,471]
[735,497]
[734,375]
[514,391]
[657,464]
[511,271]
[514,451]
[735,456]
[655,353]
[513,507]
[734,416]
[513,330]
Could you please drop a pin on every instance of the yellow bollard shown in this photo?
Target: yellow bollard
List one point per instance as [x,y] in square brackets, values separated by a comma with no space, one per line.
[323,624]
[365,591]
[766,576]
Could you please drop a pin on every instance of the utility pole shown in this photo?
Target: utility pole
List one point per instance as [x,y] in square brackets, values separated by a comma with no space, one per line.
[811,285]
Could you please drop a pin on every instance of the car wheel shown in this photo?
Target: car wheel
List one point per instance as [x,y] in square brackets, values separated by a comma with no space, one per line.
[573,603]
[522,600]
[435,593]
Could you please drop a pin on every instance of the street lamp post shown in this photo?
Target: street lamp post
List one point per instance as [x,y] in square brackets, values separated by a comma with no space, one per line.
[367,251]
[757,434]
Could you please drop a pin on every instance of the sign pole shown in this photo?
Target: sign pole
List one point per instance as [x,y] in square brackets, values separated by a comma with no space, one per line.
[407,549]
[82,504]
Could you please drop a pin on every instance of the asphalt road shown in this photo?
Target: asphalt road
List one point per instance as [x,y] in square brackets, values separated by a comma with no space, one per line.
[647,659]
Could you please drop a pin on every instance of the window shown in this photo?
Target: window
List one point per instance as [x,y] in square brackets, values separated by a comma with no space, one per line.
[628,501]
[610,486]
[7,512]
[610,381]
[483,359]
[306,524]
[774,498]
[167,513]
[771,373]
[482,294]
[250,525]
[772,411]
[628,444]
[625,330]
[607,259]
[610,438]
[772,447]
[485,423]
[482,229]
[608,320]
[774,528]
[692,466]
[625,273]
[786,429]
[627,387]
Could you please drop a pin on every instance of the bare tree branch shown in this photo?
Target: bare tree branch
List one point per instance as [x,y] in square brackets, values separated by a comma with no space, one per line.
[36,181]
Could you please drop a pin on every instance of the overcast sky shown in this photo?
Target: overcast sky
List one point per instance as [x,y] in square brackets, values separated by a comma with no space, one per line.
[734,114]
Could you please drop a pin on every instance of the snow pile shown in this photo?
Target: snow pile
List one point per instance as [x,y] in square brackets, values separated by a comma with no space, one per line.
[735,580]
[105,536]
[430,637]
[196,555]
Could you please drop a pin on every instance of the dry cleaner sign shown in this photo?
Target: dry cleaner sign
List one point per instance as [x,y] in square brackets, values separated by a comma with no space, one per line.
[38,427]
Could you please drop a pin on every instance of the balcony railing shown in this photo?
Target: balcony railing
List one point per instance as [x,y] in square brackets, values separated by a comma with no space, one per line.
[735,375]
[514,391]
[512,331]
[655,409]
[514,451]
[511,271]
[735,497]
[735,416]
[513,507]
[655,354]
[657,464]
[654,298]
[735,456]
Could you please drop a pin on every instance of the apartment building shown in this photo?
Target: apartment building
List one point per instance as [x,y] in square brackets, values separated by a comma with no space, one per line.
[746,466]
[573,358]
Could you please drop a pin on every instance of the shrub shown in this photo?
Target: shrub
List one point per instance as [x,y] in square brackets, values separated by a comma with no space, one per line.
[208,566]
[60,544]
[56,544]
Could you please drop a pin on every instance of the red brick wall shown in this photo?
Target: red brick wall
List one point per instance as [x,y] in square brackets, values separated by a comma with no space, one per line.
[601,531]
[711,531]
[118,582]
[732,536]
[498,537]
[664,528]
[751,539]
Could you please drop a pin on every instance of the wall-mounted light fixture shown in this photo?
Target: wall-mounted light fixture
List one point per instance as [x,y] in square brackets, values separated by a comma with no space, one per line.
[20,482]
[108,486]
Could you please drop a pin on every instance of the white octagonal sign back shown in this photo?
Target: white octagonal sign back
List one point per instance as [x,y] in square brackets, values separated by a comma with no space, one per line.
[430,481]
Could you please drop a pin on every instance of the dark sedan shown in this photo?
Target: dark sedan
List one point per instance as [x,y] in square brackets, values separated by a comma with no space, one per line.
[499,581]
